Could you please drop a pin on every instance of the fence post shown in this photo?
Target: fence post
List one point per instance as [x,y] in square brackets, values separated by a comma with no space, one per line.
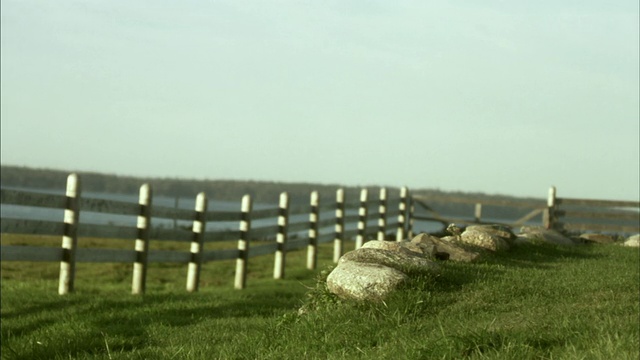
[548,217]
[281,238]
[243,243]
[138,285]
[197,243]
[402,213]
[412,209]
[312,248]
[382,212]
[362,219]
[339,227]
[477,214]
[70,235]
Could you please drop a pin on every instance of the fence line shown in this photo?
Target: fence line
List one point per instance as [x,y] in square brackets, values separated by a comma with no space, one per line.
[611,215]
[286,233]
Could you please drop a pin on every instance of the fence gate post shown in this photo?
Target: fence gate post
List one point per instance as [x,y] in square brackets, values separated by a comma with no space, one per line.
[382,212]
[243,244]
[412,209]
[281,238]
[312,248]
[142,241]
[339,227]
[197,243]
[477,213]
[70,235]
[402,214]
[548,217]
[362,219]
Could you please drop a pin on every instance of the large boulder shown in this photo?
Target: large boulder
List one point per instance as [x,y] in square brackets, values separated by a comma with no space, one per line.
[538,234]
[484,239]
[500,231]
[446,248]
[361,281]
[376,269]
[633,241]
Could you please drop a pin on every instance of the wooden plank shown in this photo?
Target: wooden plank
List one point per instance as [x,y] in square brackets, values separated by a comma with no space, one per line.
[18,197]
[220,235]
[172,213]
[107,231]
[30,253]
[600,227]
[216,255]
[299,226]
[223,216]
[36,227]
[264,214]
[596,203]
[109,206]
[179,234]
[263,249]
[93,255]
[169,256]
[263,232]
[421,199]
[621,215]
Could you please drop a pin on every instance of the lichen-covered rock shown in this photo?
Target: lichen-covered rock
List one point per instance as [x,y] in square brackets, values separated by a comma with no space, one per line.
[447,248]
[536,234]
[633,241]
[364,281]
[402,259]
[501,231]
[484,240]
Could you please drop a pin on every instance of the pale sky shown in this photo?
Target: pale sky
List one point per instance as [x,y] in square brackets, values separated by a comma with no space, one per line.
[501,97]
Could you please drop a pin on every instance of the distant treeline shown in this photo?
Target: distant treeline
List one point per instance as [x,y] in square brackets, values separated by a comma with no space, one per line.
[233,190]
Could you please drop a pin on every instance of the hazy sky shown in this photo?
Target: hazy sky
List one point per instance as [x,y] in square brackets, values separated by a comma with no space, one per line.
[506,97]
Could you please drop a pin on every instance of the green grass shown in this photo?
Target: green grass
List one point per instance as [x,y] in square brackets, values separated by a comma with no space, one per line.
[533,302]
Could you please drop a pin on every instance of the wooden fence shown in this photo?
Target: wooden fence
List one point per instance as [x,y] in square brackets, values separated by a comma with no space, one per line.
[318,229]
[427,212]
[591,215]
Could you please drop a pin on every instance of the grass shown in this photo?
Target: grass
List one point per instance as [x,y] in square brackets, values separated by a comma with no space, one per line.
[533,302]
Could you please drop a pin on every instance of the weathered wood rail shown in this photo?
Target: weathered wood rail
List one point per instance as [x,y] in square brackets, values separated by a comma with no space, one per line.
[337,223]
[428,213]
[602,215]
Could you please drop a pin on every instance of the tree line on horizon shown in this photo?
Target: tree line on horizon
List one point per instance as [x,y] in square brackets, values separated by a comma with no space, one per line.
[233,190]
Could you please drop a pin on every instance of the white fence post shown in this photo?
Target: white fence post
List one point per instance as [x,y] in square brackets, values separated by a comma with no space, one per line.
[312,248]
[382,211]
[70,235]
[402,214]
[549,214]
[243,243]
[477,214]
[339,227]
[362,219]
[142,241]
[412,209]
[197,243]
[281,238]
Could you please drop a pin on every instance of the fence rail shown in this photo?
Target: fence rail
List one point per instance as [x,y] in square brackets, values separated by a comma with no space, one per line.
[602,215]
[277,233]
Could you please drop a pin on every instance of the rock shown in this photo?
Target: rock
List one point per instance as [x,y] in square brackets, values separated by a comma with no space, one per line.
[597,238]
[402,260]
[447,248]
[501,231]
[484,239]
[633,241]
[536,234]
[377,268]
[364,281]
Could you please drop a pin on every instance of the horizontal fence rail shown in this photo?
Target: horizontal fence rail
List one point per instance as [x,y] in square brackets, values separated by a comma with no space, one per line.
[592,214]
[273,230]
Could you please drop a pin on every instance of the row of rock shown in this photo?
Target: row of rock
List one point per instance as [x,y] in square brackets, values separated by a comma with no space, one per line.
[379,267]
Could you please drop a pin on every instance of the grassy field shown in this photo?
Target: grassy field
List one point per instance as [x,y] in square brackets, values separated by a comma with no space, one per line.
[533,302]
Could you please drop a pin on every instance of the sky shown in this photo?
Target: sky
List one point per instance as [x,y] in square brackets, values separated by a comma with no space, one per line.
[499,97]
